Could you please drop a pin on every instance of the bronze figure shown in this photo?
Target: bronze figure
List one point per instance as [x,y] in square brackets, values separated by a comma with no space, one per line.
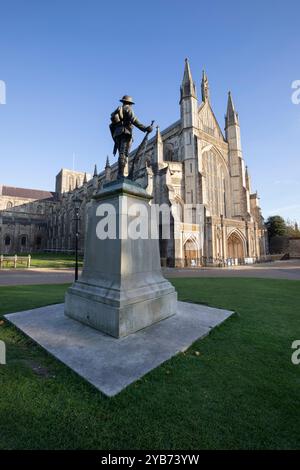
[122,121]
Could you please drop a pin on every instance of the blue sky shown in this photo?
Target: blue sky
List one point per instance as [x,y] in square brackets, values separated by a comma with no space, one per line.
[66,64]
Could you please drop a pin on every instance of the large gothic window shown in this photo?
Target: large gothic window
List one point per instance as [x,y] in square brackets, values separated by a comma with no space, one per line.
[168,152]
[217,183]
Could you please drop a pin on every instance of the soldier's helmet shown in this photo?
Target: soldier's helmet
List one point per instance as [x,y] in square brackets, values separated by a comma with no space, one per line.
[127,99]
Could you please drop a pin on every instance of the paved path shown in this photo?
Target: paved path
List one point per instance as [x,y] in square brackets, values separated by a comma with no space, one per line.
[14,277]
[289,269]
[276,270]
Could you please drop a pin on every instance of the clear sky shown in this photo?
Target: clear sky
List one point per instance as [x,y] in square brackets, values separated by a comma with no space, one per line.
[67,62]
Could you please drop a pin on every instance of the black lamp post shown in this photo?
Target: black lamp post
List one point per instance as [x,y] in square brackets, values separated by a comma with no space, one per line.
[77,203]
[222,235]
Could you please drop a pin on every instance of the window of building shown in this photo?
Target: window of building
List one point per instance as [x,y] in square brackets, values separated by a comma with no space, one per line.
[23,240]
[7,240]
[196,146]
[71,182]
[194,215]
[9,205]
[38,241]
[169,152]
[216,182]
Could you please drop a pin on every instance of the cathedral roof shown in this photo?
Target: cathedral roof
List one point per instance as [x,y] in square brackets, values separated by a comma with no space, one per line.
[25,193]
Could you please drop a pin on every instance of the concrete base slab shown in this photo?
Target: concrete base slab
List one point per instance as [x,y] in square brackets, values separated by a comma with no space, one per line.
[111,364]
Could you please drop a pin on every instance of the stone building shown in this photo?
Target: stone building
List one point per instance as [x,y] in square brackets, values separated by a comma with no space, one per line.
[67,180]
[190,164]
[23,219]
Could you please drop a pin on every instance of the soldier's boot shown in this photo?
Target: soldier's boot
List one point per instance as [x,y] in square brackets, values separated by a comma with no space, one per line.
[121,166]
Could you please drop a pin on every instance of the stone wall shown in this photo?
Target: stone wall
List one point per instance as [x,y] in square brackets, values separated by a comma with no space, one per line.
[289,246]
[279,245]
[294,247]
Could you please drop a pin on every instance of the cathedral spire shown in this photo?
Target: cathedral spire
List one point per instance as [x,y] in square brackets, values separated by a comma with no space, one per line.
[204,87]
[158,135]
[107,170]
[188,88]
[231,117]
[85,178]
[158,153]
[95,171]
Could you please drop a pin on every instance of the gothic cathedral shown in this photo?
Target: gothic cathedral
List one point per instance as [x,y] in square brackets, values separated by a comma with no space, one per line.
[191,166]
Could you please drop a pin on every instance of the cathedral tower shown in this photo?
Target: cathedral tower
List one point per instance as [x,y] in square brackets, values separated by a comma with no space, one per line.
[189,143]
[240,196]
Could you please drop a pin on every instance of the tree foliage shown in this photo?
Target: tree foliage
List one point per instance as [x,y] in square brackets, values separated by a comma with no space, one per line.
[276,226]
[292,229]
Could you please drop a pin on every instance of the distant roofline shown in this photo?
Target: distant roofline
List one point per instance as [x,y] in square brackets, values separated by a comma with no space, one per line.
[25,193]
[73,171]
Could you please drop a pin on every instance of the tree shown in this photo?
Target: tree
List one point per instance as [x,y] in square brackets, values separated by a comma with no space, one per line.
[292,229]
[276,226]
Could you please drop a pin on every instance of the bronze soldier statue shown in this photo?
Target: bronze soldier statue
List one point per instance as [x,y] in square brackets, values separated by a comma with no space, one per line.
[122,120]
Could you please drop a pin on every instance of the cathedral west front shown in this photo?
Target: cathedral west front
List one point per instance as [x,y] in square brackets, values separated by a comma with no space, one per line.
[191,163]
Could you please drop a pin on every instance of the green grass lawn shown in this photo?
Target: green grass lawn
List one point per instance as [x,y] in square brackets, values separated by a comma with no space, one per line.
[54,260]
[50,260]
[241,391]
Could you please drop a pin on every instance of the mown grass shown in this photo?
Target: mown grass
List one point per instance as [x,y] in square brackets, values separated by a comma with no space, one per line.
[54,260]
[240,391]
[47,260]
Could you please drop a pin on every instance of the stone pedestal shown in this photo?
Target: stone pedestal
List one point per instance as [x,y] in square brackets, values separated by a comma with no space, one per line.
[121,289]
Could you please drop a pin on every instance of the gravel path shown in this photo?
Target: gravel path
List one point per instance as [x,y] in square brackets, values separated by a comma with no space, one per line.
[276,270]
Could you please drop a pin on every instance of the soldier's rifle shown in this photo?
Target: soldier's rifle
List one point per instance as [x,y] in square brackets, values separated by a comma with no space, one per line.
[137,156]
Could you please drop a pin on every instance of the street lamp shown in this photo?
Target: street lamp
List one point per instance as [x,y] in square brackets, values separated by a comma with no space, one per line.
[77,203]
[222,235]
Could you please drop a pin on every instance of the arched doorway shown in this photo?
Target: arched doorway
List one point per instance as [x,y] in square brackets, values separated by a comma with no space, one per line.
[235,246]
[191,253]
